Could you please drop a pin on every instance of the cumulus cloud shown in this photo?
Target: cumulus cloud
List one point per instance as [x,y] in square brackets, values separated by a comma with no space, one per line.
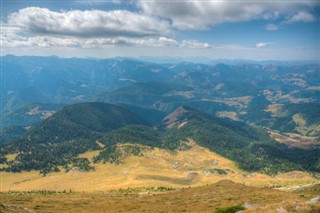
[202,14]
[263,44]
[301,16]
[271,27]
[40,27]
[89,23]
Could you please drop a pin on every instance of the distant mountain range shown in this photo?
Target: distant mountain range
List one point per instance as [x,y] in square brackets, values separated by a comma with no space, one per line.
[64,81]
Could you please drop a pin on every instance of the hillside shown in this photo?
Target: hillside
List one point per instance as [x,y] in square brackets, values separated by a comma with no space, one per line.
[61,137]
[9,134]
[18,120]
[29,114]
[155,95]
[300,118]
[136,166]
[250,147]
[75,121]
[196,180]
[77,128]
[303,119]
[210,198]
[162,137]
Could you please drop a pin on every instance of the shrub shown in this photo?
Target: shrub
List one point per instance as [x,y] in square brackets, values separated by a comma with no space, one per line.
[231,209]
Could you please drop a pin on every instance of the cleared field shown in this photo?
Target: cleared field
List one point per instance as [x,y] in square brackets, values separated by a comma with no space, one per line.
[304,128]
[11,157]
[296,140]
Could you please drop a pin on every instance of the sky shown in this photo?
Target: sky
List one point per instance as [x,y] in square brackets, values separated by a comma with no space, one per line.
[220,29]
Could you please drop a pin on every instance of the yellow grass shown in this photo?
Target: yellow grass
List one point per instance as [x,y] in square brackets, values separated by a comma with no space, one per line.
[3,166]
[273,109]
[156,168]
[11,157]
[89,155]
[100,144]
[228,114]
[207,198]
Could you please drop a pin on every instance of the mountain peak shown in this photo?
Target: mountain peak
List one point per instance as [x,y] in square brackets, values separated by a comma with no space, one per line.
[176,119]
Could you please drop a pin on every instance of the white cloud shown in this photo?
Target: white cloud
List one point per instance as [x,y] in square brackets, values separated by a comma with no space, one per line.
[13,40]
[89,23]
[40,27]
[151,27]
[271,27]
[202,14]
[194,44]
[10,38]
[263,44]
[301,16]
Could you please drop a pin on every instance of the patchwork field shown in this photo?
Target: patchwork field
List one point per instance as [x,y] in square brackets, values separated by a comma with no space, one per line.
[295,140]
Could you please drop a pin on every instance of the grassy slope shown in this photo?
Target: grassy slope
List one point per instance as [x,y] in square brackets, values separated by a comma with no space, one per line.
[156,168]
[197,199]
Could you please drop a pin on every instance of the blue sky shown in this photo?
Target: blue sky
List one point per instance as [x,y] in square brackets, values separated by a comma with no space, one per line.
[256,30]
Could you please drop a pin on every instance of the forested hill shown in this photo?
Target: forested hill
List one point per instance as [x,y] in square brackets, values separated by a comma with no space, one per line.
[82,121]
[250,147]
[77,128]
